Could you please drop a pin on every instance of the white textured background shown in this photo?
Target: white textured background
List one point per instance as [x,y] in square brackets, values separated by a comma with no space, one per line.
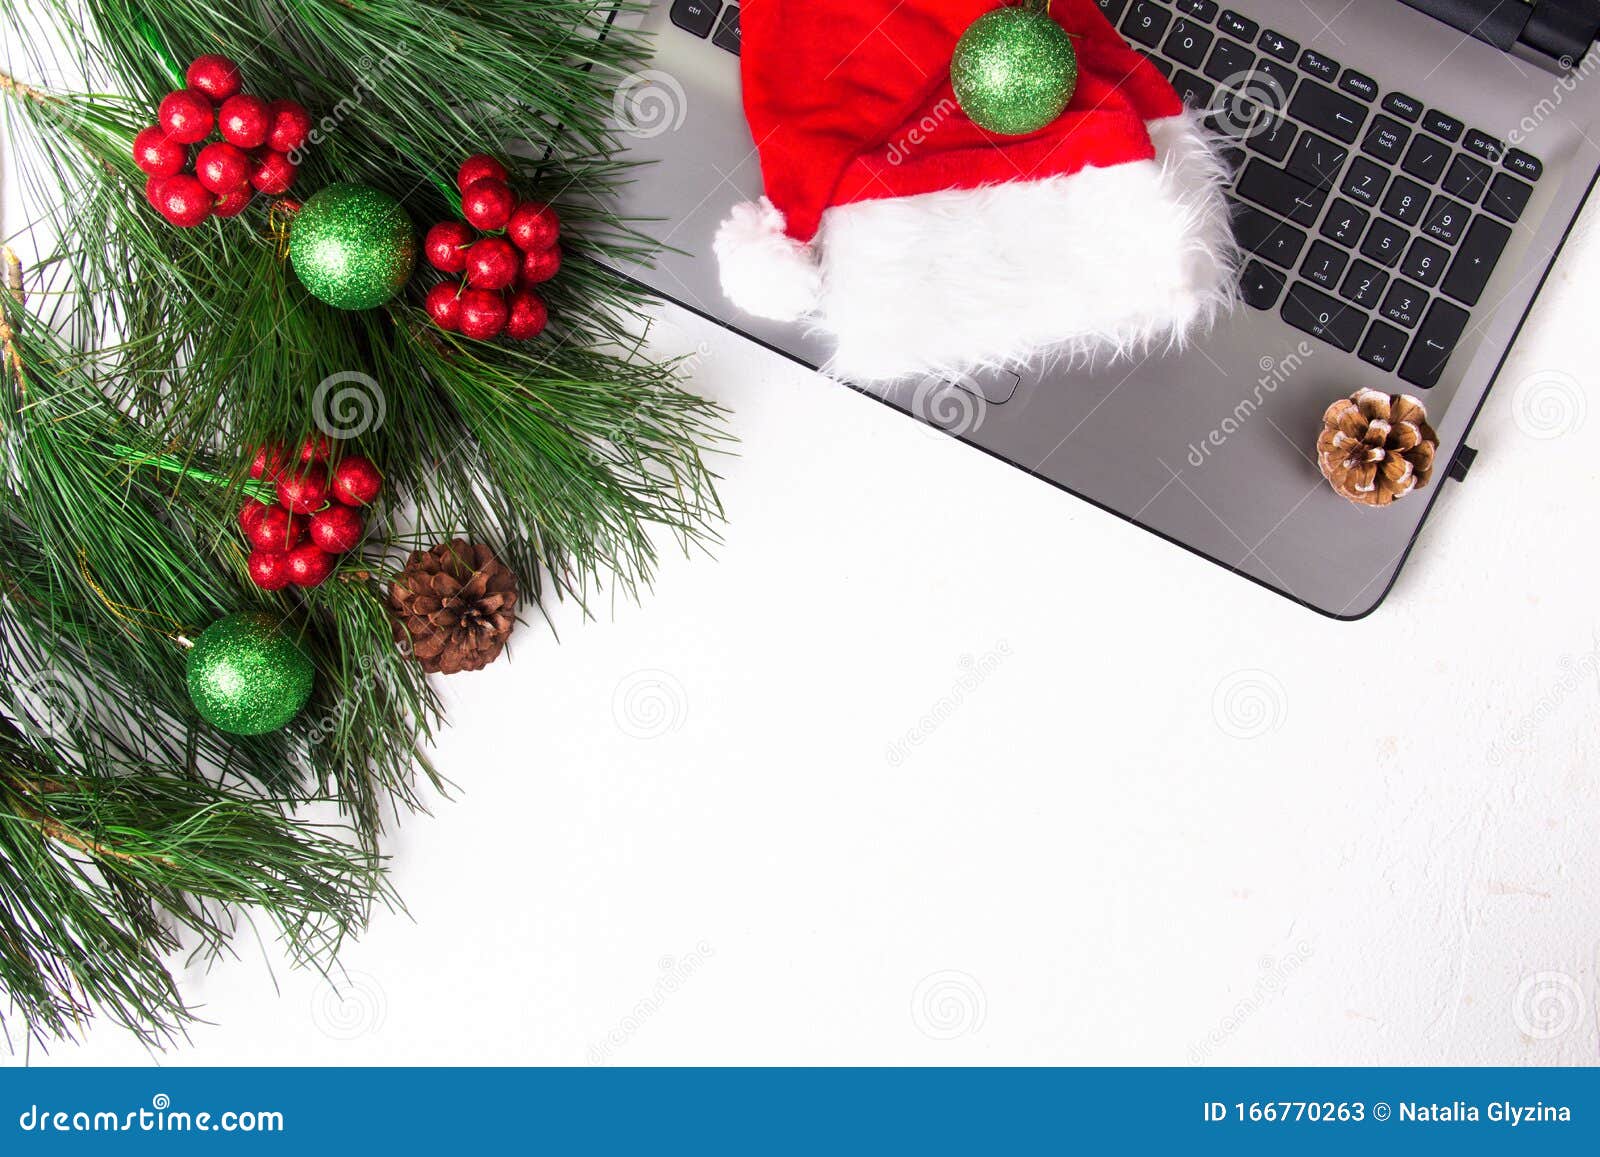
[934,764]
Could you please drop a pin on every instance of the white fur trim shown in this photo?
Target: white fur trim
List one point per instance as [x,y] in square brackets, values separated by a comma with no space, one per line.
[763,270]
[1105,261]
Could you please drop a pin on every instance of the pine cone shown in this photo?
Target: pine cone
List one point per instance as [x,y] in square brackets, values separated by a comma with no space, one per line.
[455,605]
[1376,447]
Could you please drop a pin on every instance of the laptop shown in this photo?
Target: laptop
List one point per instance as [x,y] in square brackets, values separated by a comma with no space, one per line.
[1405,177]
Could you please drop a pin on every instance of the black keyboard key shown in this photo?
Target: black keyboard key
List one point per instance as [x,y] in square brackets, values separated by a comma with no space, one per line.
[1475,261]
[1508,197]
[1194,92]
[1286,195]
[1266,236]
[1324,264]
[1147,22]
[1261,285]
[1308,308]
[1426,159]
[1317,160]
[1425,262]
[1344,223]
[1467,179]
[695,16]
[1205,10]
[1277,79]
[1328,112]
[1528,166]
[1164,67]
[1358,84]
[1386,139]
[1403,304]
[1383,345]
[1445,220]
[1319,66]
[1385,242]
[1231,63]
[727,35]
[1188,43]
[1365,181]
[1112,8]
[1235,25]
[1435,342]
[1406,201]
[1234,158]
[1442,125]
[1272,137]
[1484,145]
[1279,45]
[1364,284]
[1407,108]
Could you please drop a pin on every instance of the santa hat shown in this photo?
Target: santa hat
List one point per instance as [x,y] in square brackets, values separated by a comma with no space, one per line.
[924,244]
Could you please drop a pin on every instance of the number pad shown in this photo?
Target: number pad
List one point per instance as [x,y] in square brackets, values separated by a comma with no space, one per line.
[1425,262]
[1345,223]
[1407,201]
[1364,285]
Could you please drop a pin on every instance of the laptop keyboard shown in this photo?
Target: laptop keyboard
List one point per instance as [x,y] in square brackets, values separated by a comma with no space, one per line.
[1371,222]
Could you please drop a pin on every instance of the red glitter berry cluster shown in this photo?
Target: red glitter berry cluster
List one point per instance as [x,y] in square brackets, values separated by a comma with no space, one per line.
[258,137]
[497,272]
[295,539]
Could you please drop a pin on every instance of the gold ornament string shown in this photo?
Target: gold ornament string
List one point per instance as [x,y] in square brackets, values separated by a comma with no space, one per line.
[128,615]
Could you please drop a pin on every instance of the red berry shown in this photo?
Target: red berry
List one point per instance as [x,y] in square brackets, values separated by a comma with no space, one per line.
[186,116]
[540,265]
[216,76]
[492,263]
[446,246]
[269,460]
[158,154]
[274,529]
[316,448]
[183,200]
[269,569]
[527,315]
[356,481]
[488,204]
[304,490]
[288,126]
[243,120]
[479,167]
[249,514]
[309,565]
[336,529]
[233,202]
[533,226]
[222,167]
[272,173]
[483,313]
[152,186]
[443,304]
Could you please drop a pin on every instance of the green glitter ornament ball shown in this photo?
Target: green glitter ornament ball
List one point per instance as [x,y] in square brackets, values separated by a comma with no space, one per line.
[352,246]
[246,676]
[1014,71]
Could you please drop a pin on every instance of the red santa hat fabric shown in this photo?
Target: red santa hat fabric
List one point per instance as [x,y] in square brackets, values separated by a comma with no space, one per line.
[925,244]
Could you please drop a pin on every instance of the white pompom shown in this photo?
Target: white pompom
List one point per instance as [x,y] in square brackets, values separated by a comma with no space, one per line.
[765,271]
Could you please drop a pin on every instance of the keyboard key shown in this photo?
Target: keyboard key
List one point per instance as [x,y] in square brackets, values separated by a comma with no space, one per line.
[695,16]
[1358,84]
[1164,67]
[1230,62]
[1112,8]
[1188,43]
[1319,66]
[1407,108]
[1279,45]
[1386,139]
[1475,260]
[1344,223]
[1528,166]
[1403,304]
[1280,78]
[1467,179]
[1273,137]
[1406,201]
[1484,145]
[1266,236]
[1364,284]
[1383,346]
[1328,112]
[728,31]
[1309,309]
[1435,342]
[1194,92]
[1261,285]
[1205,10]
[1384,243]
[1147,22]
[1317,160]
[1426,159]
[1234,159]
[1425,262]
[1324,264]
[1508,197]
[1235,25]
[1445,219]
[1365,181]
[1286,195]
[1442,125]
